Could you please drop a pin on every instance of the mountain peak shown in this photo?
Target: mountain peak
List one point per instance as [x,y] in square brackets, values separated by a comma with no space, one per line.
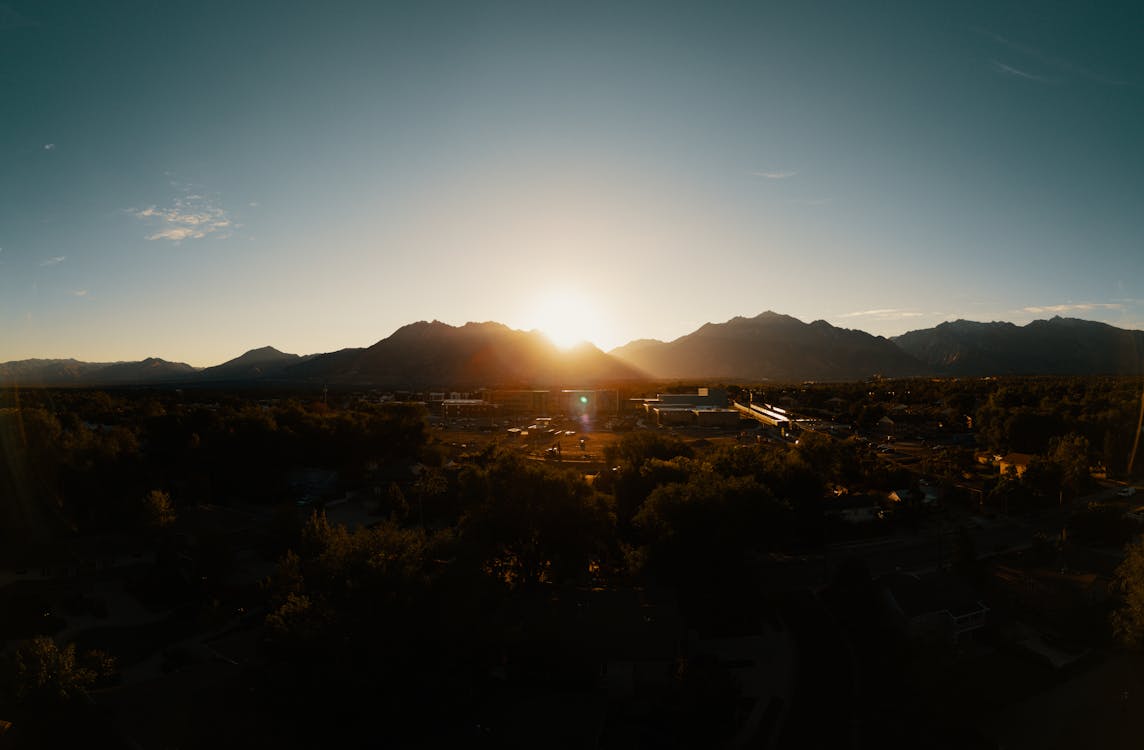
[264,350]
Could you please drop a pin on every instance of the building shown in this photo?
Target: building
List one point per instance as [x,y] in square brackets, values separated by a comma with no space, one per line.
[530,403]
[717,418]
[469,408]
[590,403]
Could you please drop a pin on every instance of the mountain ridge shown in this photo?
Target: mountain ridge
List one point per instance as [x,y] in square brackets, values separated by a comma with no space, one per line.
[1057,346]
[768,346]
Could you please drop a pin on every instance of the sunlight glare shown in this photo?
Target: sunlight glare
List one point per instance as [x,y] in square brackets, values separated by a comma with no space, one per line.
[567,318]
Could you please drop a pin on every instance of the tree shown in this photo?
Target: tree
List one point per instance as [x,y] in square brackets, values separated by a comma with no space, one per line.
[394,505]
[158,510]
[1128,582]
[431,483]
[703,529]
[40,674]
[635,448]
[1009,493]
[530,523]
[1071,453]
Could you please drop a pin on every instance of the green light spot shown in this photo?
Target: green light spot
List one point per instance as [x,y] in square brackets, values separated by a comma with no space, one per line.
[583,399]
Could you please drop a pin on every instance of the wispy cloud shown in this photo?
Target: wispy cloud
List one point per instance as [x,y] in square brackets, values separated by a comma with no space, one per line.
[1009,70]
[884,313]
[79,293]
[54,261]
[1060,65]
[774,175]
[191,216]
[1072,307]
[49,147]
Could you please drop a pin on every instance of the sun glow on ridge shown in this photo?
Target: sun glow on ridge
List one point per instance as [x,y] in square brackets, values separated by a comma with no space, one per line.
[566,317]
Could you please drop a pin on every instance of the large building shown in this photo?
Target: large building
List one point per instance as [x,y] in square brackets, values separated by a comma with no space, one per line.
[707,407]
[709,398]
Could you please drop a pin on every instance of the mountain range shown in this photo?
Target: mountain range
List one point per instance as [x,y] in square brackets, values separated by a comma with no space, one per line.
[769,346]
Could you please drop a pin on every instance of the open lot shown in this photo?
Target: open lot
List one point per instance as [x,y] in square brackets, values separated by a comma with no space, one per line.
[463,438]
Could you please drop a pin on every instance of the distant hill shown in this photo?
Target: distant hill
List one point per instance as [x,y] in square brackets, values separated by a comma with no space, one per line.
[771,346]
[148,371]
[36,372]
[70,372]
[255,364]
[435,354]
[1059,346]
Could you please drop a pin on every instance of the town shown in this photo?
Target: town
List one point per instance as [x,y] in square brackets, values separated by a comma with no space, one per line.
[951,562]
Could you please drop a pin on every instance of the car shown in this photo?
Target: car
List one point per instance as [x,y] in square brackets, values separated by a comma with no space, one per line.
[1126,492]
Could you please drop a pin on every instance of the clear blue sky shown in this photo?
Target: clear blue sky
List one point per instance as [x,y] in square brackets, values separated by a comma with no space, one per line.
[193,179]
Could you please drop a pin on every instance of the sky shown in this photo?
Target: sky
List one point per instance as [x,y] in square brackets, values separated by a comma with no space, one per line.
[190,180]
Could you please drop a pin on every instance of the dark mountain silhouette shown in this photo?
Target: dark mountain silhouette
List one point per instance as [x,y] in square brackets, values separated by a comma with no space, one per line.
[771,346]
[255,364]
[1059,346]
[476,354]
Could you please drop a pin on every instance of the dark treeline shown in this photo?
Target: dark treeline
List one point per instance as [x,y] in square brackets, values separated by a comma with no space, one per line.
[91,455]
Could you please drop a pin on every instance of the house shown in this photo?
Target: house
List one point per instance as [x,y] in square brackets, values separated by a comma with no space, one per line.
[854,508]
[836,405]
[1017,462]
[907,496]
[938,606]
[1051,591]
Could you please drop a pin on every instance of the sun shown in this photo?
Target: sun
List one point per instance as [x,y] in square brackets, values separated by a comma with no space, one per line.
[565,316]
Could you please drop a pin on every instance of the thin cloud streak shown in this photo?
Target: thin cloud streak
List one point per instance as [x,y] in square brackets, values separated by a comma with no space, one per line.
[886,313]
[1072,307]
[774,175]
[54,261]
[1011,71]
